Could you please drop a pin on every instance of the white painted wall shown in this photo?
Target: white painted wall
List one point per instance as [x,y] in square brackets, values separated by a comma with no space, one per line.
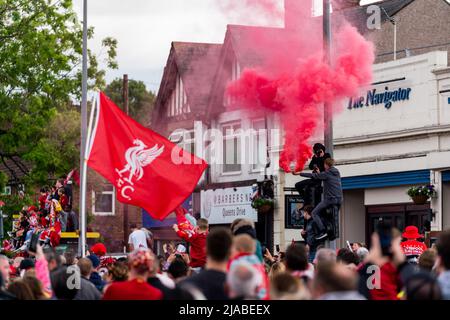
[420,111]
[353,217]
[386,195]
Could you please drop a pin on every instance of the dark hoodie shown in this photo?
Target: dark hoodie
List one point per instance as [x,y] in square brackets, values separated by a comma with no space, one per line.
[332,188]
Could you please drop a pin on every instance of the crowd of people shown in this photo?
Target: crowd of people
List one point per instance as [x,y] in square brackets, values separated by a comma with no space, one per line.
[225,263]
[47,220]
[230,264]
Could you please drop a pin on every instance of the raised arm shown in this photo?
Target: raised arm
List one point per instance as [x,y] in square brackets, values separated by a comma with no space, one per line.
[317,176]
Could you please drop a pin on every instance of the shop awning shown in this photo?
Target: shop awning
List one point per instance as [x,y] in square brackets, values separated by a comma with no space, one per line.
[446,176]
[386,180]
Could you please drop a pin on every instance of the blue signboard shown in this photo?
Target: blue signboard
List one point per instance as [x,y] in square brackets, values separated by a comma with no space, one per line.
[149,222]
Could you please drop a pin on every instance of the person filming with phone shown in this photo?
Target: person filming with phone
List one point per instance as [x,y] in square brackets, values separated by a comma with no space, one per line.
[317,165]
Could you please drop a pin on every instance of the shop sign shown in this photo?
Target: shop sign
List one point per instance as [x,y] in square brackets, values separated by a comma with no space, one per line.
[374,97]
[223,206]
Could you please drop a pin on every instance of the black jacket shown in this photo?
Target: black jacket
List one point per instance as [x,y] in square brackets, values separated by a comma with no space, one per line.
[319,162]
[311,233]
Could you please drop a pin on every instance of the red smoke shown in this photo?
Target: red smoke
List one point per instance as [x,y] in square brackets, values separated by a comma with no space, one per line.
[295,80]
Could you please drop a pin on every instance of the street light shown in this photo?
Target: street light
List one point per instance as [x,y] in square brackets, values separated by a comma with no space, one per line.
[328,116]
[83,169]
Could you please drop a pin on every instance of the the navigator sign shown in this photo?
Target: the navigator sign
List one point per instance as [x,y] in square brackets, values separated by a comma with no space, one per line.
[375,97]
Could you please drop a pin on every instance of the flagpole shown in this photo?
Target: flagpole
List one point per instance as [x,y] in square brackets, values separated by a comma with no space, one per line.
[83,136]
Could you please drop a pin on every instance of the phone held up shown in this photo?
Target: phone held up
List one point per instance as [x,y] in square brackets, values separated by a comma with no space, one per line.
[33,243]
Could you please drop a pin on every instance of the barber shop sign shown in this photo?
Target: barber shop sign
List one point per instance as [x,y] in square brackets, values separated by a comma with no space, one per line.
[375,97]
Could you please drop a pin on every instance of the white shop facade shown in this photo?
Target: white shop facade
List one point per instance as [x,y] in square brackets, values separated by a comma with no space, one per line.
[394,136]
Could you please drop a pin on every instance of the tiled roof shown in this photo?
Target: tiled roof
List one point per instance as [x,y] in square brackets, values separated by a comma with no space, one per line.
[358,15]
[14,168]
[247,40]
[196,63]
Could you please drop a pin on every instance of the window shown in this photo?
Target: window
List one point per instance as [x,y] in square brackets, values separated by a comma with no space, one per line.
[235,74]
[258,145]
[103,202]
[231,147]
[185,139]
[177,103]
[6,191]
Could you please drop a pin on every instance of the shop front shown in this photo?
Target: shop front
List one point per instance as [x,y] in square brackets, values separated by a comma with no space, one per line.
[222,203]
[396,136]
[163,233]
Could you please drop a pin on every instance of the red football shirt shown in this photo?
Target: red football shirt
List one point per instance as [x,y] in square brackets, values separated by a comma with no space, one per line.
[136,289]
[197,251]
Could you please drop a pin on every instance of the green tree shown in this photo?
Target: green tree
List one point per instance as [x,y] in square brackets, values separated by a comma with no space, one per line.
[58,150]
[40,74]
[140,101]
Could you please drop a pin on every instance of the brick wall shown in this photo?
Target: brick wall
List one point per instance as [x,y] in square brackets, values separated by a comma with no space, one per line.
[109,227]
[422,23]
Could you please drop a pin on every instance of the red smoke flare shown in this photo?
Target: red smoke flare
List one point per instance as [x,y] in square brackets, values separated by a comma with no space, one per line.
[295,80]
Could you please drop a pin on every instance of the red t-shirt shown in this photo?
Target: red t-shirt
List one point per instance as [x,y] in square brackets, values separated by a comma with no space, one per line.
[390,284]
[42,200]
[197,251]
[136,289]
[64,201]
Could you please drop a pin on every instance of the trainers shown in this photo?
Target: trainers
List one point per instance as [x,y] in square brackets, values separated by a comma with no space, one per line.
[322,236]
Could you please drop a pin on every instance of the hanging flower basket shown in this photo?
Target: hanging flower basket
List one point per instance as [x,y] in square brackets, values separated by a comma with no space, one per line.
[265,208]
[263,205]
[421,194]
[420,199]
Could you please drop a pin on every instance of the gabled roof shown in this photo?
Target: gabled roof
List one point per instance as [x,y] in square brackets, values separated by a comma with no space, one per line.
[245,41]
[15,168]
[195,63]
[392,7]
[358,15]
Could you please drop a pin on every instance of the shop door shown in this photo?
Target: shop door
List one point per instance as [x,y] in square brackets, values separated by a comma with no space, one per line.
[396,220]
[398,216]
[418,216]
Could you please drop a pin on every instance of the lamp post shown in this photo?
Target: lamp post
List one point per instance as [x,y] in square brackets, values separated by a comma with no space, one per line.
[328,115]
[328,112]
[83,168]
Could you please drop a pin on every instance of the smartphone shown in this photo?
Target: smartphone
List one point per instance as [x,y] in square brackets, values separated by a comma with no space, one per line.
[263,249]
[33,242]
[277,247]
[384,231]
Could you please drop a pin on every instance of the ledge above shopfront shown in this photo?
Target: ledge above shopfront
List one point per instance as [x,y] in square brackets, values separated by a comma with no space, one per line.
[386,180]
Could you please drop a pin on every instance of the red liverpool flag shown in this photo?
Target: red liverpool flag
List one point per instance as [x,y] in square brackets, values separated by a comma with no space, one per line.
[147,170]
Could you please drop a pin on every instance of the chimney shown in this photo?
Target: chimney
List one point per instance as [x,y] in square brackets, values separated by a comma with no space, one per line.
[295,11]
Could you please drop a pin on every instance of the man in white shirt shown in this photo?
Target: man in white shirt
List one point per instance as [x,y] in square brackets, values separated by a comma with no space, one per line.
[137,238]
